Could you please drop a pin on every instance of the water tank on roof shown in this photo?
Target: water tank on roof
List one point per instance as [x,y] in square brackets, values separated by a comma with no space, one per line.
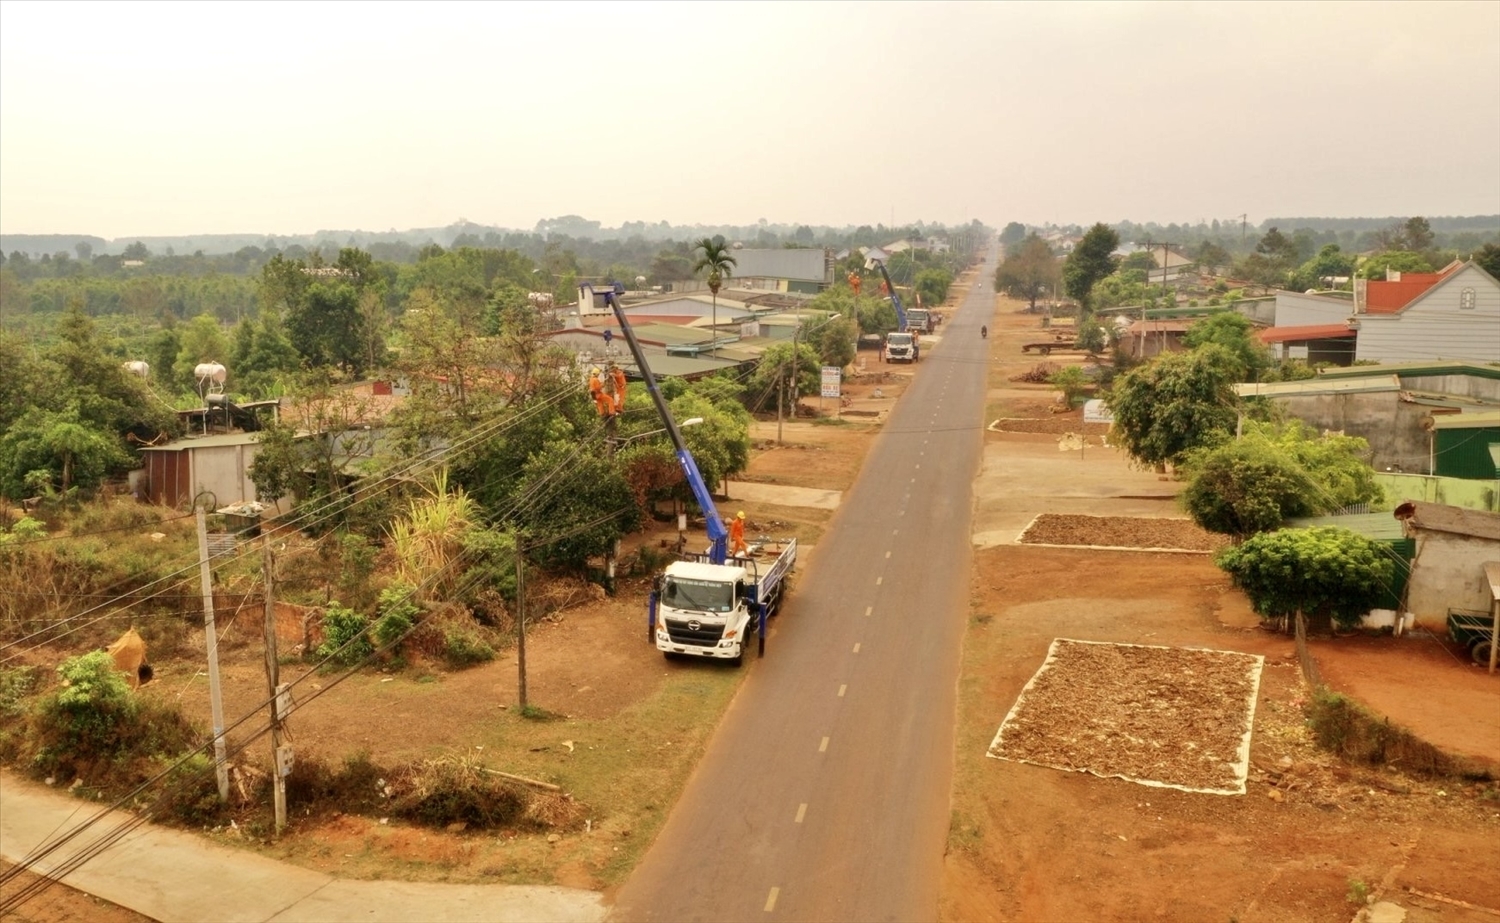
[210,371]
[138,368]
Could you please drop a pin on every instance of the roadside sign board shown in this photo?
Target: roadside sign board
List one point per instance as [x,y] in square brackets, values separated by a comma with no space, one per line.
[832,376]
[1095,411]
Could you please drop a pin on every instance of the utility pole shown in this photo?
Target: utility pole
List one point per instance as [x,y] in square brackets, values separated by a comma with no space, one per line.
[273,685]
[521,621]
[211,638]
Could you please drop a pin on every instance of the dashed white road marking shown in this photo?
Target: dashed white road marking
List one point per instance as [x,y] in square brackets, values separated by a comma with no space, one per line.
[771,899]
[856,648]
[823,747]
[801,812]
[843,689]
[888,555]
[879,581]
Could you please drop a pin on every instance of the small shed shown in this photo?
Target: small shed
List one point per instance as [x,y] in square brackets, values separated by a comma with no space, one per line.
[1467,445]
[1452,547]
[178,471]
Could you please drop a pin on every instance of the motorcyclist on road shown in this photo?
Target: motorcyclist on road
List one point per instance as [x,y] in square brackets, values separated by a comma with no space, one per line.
[984,333]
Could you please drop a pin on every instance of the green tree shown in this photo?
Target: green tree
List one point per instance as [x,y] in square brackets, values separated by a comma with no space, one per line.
[1014,233]
[714,256]
[1028,271]
[1324,573]
[1071,381]
[1378,265]
[1175,403]
[1246,486]
[1488,259]
[932,286]
[1141,259]
[1092,337]
[1320,271]
[833,339]
[199,340]
[777,376]
[1416,234]
[45,451]
[136,251]
[327,329]
[1211,256]
[1091,260]
[1236,334]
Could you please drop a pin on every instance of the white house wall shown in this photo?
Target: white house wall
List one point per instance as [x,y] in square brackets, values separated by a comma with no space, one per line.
[1436,327]
[1448,573]
[225,470]
[1294,310]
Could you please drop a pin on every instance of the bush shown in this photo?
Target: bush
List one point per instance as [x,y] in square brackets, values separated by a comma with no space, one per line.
[95,726]
[1324,572]
[449,791]
[465,648]
[398,611]
[346,639]
[1071,382]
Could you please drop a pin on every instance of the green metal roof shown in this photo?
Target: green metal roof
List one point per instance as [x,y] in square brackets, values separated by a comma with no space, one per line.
[1381,527]
[1489,419]
[1316,386]
[1414,370]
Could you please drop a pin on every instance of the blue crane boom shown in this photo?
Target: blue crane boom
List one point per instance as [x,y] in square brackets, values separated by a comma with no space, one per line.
[718,535]
[895,298]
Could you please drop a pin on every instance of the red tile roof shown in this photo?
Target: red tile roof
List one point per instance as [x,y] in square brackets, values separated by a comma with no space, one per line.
[1306,332]
[1391,297]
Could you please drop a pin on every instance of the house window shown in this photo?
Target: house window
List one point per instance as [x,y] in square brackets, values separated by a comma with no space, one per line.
[1466,299]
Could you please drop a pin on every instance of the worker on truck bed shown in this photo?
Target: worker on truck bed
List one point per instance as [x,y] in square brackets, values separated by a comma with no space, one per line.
[737,544]
[602,401]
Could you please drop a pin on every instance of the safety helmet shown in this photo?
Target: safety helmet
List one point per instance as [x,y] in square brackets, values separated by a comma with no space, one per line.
[594,370]
[740,515]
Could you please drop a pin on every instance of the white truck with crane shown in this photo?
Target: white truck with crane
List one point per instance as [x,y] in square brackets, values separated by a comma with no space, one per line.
[710,604]
[901,344]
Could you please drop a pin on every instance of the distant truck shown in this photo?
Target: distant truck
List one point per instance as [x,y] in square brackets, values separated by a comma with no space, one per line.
[716,610]
[901,347]
[919,320]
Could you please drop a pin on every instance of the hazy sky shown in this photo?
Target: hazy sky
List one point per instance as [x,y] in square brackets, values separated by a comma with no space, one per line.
[119,119]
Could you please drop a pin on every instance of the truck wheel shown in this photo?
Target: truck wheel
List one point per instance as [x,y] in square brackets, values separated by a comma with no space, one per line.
[1481,653]
[739,659]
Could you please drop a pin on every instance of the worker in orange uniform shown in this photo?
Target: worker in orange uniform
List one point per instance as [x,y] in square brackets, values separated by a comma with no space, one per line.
[737,544]
[602,401]
[855,281]
[617,375]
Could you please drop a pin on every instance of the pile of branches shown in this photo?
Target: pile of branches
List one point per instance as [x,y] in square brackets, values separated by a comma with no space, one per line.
[1040,374]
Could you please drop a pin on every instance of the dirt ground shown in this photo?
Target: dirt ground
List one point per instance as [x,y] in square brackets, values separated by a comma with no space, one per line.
[1027,843]
[59,903]
[1311,838]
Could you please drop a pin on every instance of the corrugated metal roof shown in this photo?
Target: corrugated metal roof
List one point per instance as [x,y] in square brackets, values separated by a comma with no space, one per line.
[803,265]
[1305,332]
[1488,419]
[1413,370]
[1439,517]
[1381,527]
[204,442]
[1317,386]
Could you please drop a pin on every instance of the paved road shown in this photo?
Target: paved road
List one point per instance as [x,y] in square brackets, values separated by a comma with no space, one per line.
[824,794]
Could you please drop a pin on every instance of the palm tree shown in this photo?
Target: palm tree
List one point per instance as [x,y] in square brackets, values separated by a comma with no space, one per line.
[720,265]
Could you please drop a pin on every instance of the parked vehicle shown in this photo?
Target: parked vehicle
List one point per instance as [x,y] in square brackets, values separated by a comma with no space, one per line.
[710,604]
[715,610]
[901,347]
[1471,629]
[919,320]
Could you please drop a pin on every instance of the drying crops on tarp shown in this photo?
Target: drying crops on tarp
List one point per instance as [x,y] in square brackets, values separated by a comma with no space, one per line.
[1163,716]
[1119,532]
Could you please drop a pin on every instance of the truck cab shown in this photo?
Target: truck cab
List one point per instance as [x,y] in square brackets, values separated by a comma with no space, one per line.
[901,347]
[715,610]
[919,320]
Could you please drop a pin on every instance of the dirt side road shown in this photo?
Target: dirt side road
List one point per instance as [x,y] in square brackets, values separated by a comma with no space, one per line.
[1309,839]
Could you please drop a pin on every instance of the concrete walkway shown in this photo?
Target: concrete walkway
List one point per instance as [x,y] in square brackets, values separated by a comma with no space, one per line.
[170,875]
[782,495]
